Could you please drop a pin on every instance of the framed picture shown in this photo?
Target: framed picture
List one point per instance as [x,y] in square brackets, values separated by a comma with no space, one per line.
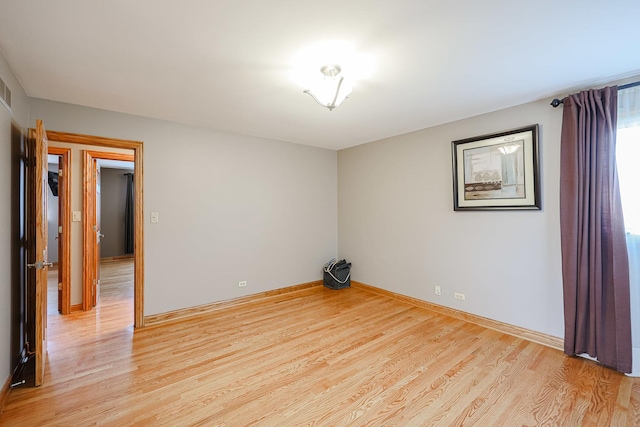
[497,172]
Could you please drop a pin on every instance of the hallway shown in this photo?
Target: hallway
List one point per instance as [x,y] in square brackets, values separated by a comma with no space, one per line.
[116,295]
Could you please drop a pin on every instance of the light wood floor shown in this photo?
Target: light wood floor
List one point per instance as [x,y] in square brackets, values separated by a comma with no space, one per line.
[315,357]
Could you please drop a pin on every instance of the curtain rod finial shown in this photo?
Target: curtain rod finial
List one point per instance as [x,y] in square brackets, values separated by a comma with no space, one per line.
[556,102]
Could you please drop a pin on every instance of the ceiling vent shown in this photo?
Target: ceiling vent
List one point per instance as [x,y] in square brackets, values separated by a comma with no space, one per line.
[5,95]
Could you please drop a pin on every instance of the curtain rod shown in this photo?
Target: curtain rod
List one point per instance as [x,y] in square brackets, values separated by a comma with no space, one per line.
[557,101]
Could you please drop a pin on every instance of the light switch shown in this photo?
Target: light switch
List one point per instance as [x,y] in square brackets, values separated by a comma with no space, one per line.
[155,217]
[77,216]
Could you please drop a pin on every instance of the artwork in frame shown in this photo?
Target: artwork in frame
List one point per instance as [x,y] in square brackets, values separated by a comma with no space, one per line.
[497,172]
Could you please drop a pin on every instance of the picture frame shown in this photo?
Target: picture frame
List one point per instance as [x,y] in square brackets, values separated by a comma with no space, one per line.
[500,171]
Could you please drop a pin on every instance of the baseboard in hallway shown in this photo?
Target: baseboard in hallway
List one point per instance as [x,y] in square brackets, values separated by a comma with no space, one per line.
[116,258]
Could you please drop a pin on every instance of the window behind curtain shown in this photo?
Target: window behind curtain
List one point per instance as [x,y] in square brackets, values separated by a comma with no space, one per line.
[628,156]
[628,159]
[628,163]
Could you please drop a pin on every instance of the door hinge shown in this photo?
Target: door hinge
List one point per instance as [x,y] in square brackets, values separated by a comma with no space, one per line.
[59,229]
[59,172]
[59,286]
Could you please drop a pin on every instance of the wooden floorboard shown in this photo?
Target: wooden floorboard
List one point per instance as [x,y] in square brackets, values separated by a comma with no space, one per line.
[313,357]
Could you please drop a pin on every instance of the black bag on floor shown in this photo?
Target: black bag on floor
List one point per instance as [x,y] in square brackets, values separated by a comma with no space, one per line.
[337,274]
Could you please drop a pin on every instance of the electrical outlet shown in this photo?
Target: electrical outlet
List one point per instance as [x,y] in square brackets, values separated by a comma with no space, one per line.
[458,295]
[437,290]
[242,284]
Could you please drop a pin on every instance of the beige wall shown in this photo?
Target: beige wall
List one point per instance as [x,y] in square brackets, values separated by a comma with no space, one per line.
[16,119]
[5,242]
[113,201]
[231,207]
[398,227]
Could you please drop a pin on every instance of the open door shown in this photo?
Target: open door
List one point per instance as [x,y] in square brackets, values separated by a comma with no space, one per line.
[38,263]
[61,260]
[96,259]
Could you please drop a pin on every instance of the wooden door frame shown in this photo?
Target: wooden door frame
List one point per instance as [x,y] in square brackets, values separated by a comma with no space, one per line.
[138,245]
[64,191]
[89,238]
[89,241]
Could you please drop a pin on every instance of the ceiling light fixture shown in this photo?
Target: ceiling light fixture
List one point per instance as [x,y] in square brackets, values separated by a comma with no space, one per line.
[332,89]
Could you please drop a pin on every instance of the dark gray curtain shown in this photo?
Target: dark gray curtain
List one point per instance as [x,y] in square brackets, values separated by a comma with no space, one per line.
[595,267]
[128,218]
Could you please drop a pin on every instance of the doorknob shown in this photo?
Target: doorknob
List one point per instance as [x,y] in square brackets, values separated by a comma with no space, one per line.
[100,235]
[37,265]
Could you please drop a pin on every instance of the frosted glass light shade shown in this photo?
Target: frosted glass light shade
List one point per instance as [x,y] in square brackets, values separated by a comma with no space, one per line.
[330,90]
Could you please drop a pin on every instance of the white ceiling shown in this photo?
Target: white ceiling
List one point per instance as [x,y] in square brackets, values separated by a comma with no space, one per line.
[227,64]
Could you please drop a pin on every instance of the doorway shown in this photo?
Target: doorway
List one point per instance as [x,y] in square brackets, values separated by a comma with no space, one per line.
[59,215]
[93,235]
[88,232]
